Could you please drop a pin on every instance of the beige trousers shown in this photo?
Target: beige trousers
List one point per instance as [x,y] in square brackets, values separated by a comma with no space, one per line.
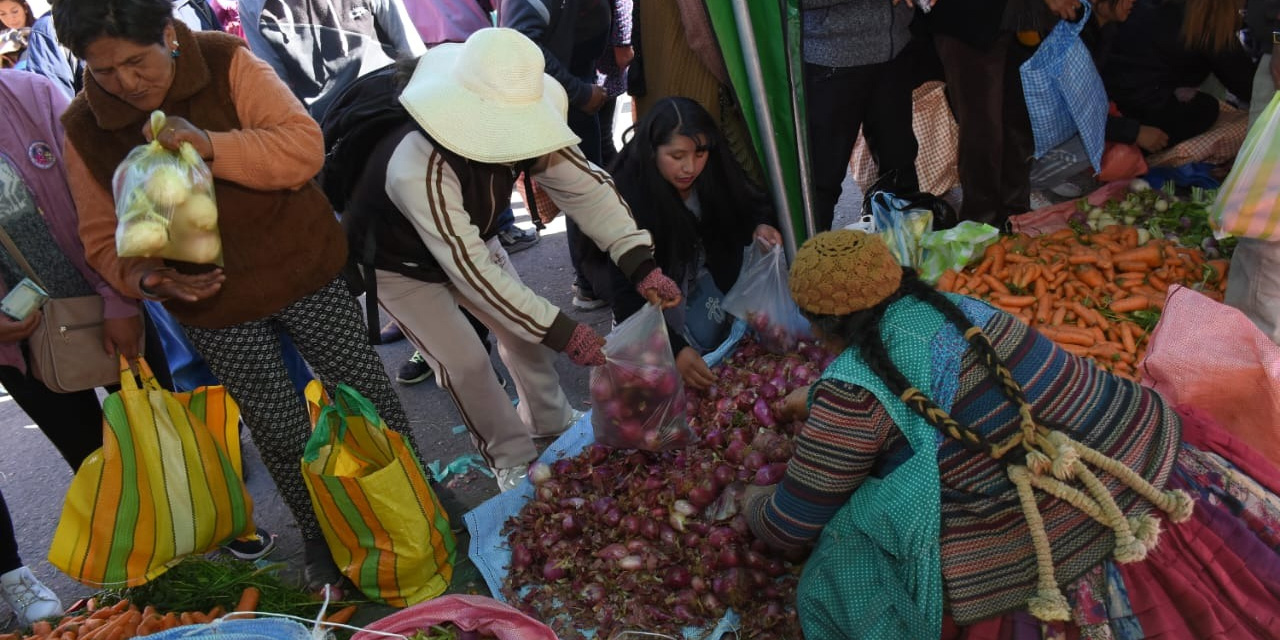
[430,317]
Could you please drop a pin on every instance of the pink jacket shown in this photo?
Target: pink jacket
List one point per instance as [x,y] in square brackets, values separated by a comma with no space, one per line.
[31,138]
[446,20]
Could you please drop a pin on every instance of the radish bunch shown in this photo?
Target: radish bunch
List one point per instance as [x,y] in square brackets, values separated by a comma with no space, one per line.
[622,539]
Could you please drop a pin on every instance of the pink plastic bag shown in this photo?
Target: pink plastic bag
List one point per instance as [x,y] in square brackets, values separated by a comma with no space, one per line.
[1207,355]
[1054,217]
[469,613]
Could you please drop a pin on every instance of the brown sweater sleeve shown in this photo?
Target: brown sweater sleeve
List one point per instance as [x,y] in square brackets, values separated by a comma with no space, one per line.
[278,145]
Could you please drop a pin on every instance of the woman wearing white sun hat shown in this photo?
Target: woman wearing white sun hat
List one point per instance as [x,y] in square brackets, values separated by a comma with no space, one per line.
[480,112]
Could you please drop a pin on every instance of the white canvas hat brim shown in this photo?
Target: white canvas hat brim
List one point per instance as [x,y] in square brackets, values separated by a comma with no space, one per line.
[483,128]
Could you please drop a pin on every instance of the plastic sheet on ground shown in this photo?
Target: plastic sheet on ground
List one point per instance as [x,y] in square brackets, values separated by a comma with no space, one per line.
[267,629]
[1054,217]
[489,550]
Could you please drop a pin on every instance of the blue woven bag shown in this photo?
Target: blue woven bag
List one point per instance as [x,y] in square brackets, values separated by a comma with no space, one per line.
[1064,92]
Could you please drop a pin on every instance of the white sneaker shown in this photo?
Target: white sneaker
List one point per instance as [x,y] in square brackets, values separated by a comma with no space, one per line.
[30,599]
[510,477]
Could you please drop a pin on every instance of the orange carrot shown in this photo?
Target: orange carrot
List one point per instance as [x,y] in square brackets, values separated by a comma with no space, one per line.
[169,621]
[1130,304]
[1059,316]
[1149,255]
[250,596]
[1132,265]
[343,615]
[946,282]
[995,284]
[41,628]
[1062,335]
[1090,276]
[1017,302]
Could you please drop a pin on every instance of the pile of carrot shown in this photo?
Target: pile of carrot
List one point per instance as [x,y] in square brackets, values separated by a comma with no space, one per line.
[1093,294]
[123,620]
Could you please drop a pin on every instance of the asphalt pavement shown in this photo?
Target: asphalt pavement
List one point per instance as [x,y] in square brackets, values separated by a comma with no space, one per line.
[34,478]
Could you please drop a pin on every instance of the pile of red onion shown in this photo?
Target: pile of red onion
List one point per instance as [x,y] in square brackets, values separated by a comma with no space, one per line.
[622,539]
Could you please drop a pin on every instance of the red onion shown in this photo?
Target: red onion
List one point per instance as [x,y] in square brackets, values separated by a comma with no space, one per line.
[676,577]
[554,571]
[614,551]
[771,473]
[631,563]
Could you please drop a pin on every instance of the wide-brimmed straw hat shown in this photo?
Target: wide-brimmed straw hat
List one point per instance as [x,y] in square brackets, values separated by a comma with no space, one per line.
[489,99]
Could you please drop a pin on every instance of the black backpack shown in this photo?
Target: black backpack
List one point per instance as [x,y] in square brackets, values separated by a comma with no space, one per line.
[362,114]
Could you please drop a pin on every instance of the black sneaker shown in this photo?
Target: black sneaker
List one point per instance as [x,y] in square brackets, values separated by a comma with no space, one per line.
[514,239]
[391,333]
[252,547]
[414,370]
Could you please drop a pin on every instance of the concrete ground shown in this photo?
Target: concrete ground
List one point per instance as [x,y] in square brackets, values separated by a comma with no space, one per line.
[34,477]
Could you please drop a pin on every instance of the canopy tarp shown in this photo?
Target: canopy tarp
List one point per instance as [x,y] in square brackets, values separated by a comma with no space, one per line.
[760,41]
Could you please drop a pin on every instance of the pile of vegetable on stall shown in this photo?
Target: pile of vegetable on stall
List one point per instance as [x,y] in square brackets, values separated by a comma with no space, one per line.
[197,590]
[1097,287]
[627,540]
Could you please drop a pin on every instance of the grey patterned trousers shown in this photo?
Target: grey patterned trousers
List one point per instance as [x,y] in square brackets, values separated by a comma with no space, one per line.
[330,334]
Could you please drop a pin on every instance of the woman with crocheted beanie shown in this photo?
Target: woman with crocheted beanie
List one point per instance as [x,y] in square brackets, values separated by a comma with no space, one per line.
[963,477]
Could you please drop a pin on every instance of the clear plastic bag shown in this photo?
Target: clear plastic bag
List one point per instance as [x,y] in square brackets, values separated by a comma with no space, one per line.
[901,226]
[165,204]
[637,396]
[762,298]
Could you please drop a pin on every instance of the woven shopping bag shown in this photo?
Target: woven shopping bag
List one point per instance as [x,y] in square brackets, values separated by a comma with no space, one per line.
[165,484]
[1064,92]
[936,163]
[384,525]
[1248,204]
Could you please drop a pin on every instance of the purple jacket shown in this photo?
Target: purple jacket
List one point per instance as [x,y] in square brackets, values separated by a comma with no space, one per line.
[31,137]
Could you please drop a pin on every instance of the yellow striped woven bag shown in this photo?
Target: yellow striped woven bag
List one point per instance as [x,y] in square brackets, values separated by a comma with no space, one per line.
[383,523]
[165,484]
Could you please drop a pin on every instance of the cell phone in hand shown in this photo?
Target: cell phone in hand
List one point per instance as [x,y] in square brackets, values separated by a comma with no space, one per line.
[24,298]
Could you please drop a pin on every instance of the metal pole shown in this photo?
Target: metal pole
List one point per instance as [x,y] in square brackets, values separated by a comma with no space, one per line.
[795,75]
[755,82]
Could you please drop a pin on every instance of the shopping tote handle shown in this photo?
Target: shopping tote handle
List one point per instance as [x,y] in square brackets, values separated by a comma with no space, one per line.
[129,379]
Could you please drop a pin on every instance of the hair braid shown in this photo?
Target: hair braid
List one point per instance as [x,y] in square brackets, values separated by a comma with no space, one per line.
[867,339]
[991,361]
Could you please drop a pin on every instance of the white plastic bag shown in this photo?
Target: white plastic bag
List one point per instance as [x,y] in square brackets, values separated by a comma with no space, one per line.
[637,396]
[165,204]
[762,298]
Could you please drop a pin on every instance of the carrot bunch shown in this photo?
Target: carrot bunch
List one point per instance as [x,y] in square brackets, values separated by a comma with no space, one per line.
[123,620]
[1096,294]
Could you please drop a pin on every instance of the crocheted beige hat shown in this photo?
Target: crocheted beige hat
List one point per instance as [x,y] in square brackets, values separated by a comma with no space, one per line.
[840,272]
[488,99]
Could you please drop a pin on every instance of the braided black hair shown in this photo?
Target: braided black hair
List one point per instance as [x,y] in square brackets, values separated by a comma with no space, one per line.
[861,329]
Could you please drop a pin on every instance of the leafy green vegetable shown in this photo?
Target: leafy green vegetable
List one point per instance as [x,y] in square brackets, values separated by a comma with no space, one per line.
[200,584]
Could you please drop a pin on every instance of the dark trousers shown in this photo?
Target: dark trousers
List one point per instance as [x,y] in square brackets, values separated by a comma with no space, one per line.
[328,329]
[587,126]
[875,98]
[71,421]
[1181,120]
[985,92]
[9,558]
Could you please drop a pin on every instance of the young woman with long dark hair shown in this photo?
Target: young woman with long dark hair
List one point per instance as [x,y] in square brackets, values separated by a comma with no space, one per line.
[683,185]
